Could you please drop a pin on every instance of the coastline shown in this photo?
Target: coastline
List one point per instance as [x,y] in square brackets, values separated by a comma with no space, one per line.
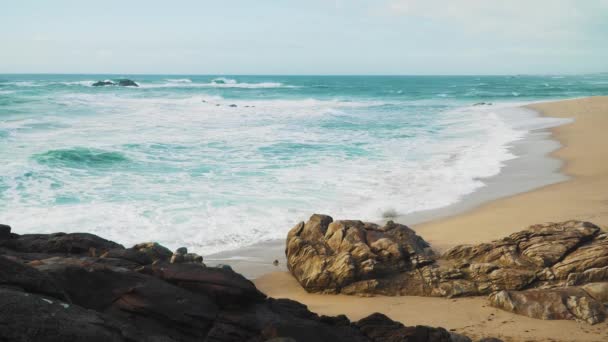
[533,152]
[582,196]
[583,155]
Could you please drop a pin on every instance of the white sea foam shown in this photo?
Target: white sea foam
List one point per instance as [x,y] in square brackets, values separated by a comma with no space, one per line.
[219,177]
[220,82]
[80,83]
[179,80]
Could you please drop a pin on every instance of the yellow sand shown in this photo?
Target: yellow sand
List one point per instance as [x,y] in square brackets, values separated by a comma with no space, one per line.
[583,197]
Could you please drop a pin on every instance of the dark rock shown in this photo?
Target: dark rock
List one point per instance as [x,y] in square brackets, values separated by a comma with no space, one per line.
[75,243]
[224,267]
[233,106]
[454,337]
[77,293]
[142,300]
[27,317]
[5,231]
[127,83]
[181,255]
[154,250]
[103,83]
[378,327]
[225,286]
[132,255]
[17,275]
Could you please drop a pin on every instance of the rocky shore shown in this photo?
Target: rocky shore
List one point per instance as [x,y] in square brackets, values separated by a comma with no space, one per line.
[547,271]
[81,287]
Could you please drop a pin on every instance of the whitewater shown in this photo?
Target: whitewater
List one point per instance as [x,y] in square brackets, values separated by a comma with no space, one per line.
[221,162]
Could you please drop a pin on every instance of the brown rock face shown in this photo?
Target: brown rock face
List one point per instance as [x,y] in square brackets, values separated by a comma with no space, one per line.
[556,303]
[327,256]
[357,258]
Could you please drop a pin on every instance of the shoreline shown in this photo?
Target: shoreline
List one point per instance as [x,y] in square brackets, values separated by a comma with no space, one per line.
[582,162]
[583,196]
[533,151]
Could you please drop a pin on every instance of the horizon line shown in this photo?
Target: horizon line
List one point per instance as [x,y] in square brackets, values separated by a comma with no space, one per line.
[317,75]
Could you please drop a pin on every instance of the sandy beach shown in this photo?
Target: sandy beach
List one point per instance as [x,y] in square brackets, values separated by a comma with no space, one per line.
[583,196]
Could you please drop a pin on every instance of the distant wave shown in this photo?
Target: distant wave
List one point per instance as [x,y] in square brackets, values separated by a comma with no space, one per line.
[24,84]
[80,157]
[81,83]
[179,80]
[220,82]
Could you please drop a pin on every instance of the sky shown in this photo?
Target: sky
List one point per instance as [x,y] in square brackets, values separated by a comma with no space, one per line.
[387,37]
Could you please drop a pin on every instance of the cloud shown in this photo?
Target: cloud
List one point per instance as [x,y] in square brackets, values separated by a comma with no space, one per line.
[533,20]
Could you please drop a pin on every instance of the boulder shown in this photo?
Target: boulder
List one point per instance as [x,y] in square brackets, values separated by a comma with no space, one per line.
[378,327]
[354,257]
[61,243]
[556,303]
[127,83]
[181,255]
[103,83]
[5,231]
[358,258]
[326,256]
[154,250]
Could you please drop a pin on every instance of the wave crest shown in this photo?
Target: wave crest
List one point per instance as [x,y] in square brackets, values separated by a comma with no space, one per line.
[80,157]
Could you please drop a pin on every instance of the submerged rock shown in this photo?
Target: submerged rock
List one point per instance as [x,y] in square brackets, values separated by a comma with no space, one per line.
[121,83]
[103,83]
[127,83]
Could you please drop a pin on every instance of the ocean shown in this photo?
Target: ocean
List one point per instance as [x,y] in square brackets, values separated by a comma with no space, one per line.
[220,162]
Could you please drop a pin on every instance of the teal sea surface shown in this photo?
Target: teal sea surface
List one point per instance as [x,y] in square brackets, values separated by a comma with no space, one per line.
[219,162]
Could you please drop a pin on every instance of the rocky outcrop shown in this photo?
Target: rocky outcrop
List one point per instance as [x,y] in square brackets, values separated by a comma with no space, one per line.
[127,83]
[121,83]
[327,256]
[357,258]
[103,83]
[80,287]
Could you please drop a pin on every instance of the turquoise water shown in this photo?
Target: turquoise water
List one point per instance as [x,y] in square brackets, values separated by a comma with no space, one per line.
[220,162]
